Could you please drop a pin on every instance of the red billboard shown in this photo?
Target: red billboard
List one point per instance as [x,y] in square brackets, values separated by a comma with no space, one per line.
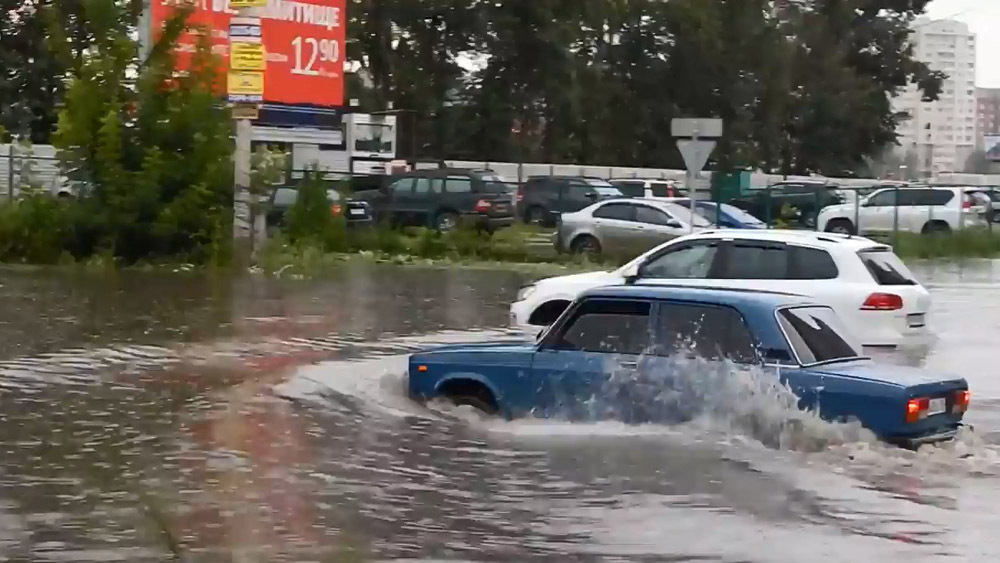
[303,39]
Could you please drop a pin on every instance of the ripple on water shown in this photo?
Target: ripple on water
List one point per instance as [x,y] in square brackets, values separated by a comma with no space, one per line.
[303,446]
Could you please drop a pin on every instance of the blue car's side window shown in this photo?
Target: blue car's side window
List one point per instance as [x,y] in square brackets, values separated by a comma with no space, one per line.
[607,326]
[710,332]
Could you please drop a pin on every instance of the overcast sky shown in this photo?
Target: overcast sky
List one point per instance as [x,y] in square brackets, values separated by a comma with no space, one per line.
[983,17]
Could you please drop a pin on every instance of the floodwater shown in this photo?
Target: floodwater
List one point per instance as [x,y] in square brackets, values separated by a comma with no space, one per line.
[156,417]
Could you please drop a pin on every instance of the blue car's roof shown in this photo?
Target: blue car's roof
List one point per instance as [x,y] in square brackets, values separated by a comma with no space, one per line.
[739,298]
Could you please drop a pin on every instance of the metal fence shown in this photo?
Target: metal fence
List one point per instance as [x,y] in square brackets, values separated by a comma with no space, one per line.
[28,168]
[919,209]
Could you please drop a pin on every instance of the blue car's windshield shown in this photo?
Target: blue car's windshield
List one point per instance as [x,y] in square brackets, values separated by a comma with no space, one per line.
[740,215]
[707,210]
[603,188]
[817,335]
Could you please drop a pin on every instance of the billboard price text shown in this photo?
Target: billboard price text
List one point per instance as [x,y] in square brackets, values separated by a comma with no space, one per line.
[303,44]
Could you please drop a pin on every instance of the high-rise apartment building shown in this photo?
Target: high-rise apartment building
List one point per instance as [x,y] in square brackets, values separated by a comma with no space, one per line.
[941,135]
[987,112]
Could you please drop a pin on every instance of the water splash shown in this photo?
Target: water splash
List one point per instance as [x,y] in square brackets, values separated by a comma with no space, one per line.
[716,396]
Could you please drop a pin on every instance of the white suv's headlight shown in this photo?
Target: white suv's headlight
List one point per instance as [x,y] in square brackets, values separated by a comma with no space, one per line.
[525,292]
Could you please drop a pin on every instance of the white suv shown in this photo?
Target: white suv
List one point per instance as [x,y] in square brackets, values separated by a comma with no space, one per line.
[869,286]
[637,187]
[909,209]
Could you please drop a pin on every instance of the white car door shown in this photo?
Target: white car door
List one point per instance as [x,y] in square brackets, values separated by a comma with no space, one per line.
[685,263]
[877,214]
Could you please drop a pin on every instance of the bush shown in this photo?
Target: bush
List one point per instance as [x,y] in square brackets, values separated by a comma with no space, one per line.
[310,220]
[36,229]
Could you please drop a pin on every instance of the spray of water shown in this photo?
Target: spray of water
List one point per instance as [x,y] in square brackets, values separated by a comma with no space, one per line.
[719,396]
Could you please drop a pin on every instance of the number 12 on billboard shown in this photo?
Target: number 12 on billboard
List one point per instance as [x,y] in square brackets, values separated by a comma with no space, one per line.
[309,49]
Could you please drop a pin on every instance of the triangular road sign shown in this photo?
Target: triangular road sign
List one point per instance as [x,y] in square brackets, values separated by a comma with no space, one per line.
[695,153]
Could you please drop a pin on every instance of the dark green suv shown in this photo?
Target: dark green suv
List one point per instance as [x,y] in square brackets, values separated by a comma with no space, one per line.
[441,198]
[797,202]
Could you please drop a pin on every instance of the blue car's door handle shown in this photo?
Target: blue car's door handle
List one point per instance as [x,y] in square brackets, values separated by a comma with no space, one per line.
[628,364]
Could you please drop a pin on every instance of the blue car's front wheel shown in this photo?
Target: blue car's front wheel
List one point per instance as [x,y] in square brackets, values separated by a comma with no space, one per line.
[471,393]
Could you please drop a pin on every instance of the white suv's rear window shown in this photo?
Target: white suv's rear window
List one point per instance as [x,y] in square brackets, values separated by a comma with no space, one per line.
[886,268]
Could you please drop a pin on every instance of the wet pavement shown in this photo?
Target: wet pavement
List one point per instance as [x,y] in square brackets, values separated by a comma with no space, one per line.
[155,417]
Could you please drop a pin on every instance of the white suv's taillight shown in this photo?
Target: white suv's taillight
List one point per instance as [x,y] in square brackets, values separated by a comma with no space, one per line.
[882,302]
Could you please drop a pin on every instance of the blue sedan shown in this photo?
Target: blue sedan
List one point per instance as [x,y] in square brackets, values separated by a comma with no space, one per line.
[724,215]
[619,352]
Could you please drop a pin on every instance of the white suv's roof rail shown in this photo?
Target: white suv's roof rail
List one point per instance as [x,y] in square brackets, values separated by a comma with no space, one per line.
[786,234]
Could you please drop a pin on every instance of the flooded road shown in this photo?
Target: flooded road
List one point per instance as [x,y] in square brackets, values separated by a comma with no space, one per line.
[152,417]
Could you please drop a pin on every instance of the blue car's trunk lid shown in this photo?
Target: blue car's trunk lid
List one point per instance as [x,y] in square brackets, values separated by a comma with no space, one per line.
[890,418]
[903,376]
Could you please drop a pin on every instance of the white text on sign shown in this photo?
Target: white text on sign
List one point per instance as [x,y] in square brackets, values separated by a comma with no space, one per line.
[309,50]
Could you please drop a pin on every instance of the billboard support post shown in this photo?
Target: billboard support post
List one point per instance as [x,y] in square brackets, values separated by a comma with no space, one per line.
[244,201]
[245,86]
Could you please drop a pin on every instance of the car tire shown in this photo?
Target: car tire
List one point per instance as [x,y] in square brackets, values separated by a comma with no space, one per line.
[585,244]
[936,228]
[446,221]
[841,226]
[535,215]
[483,404]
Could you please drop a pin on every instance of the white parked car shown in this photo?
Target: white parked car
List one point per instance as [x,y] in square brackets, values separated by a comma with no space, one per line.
[909,209]
[638,187]
[868,285]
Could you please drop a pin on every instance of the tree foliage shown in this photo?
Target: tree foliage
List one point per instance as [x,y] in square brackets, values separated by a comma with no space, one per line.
[803,86]
[156,149]
[152,147]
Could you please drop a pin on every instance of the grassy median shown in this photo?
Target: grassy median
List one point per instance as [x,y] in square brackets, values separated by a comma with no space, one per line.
[969,243]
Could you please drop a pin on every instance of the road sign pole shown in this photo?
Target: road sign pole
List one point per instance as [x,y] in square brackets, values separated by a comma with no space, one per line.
[691,182]
[695,141]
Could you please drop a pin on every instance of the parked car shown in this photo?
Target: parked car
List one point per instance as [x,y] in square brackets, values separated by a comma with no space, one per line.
[622,225]
[613,346]
[723,215]
[441,198]
[542,199]
[912,209]
[868,285]
[282,199]
[637,187]
[805,198]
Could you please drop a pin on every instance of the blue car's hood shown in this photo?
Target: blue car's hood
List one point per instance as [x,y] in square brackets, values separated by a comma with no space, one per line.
[888,373]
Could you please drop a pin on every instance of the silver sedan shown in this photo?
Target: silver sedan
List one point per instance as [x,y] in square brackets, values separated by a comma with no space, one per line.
[625,226]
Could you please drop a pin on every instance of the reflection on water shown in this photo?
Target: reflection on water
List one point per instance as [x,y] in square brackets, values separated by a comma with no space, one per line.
[248,419]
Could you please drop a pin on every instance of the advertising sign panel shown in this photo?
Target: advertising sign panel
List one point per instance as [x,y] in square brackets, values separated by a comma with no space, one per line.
[303,43]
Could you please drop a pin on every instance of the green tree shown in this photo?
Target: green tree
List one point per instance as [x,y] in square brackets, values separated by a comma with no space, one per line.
[156,149]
